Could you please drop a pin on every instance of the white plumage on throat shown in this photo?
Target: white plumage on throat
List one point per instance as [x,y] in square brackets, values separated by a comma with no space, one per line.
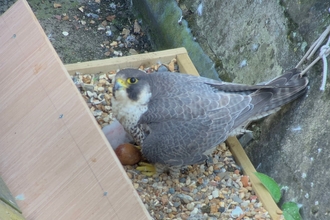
[127,111]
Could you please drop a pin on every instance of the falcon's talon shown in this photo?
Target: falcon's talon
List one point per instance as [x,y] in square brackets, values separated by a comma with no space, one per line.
[146,169]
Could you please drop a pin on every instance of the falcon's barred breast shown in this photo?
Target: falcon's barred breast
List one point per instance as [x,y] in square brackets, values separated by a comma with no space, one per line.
[178,118]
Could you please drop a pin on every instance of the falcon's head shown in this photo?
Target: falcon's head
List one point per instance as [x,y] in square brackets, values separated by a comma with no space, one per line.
[131,85]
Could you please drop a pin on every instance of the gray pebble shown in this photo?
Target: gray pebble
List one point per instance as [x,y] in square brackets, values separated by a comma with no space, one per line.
[194,212]
[222,209]
[185,198]
[182,180]
[237,199]
[215,193]
[171,190]
[190,206]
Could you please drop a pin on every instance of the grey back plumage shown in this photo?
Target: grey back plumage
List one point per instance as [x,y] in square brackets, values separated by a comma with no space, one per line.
[189,115]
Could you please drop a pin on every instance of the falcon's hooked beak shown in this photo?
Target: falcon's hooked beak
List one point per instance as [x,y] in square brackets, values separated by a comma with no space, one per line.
[119,84]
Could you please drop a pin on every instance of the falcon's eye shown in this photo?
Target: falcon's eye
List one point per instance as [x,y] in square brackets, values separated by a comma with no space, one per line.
[132,80]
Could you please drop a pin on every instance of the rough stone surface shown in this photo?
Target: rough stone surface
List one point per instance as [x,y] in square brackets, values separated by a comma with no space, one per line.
[249,39]
[167,31]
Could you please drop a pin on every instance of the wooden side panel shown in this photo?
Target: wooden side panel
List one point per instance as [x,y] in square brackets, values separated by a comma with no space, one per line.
[133,61]
[53,156]
[186,65]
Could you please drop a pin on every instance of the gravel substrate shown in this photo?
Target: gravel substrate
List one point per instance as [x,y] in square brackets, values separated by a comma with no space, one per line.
[214,190]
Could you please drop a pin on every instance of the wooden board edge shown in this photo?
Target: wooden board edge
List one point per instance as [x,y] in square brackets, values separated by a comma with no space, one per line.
[186,65]
[7,197]
[133,61]
[7,212]
[248,169]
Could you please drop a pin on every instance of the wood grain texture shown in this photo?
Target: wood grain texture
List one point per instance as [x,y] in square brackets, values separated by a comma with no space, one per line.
[60,167]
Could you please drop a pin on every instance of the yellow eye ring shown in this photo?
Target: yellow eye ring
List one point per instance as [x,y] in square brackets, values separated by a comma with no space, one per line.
[132,80]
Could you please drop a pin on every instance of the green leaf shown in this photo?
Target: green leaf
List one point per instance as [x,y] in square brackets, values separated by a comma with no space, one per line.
[291,211]
[270,185]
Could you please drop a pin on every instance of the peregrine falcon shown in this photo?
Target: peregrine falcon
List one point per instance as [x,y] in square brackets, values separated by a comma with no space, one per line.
[178,119]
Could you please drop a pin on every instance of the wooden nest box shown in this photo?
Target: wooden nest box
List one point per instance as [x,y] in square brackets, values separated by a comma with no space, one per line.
[54,157]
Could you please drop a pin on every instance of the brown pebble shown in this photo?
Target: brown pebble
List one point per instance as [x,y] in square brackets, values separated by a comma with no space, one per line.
[249,188]
[164,199]
[214,209]
[184,216]
[86,79]
[245,181]
[253,198]
[223,147]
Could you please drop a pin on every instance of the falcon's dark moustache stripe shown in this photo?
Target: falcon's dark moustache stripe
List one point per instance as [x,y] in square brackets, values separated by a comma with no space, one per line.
[133,92]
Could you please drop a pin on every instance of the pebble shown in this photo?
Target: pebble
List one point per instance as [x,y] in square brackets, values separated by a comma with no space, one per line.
[236,212]
[190,206]
[185,198]
[108,33]
[171,190]
[97,113]
[182,180]
[164,199]
[90,94]
[114,44]
[215,193]
[188,181]
[194,211]
[100,89]
[237,199]
[222,209]
[136,185]
[132,51]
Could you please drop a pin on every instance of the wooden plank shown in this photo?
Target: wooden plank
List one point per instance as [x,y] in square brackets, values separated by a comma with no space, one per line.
[7,212]
[186,65]
[242,159]
[53,155]
[133,61]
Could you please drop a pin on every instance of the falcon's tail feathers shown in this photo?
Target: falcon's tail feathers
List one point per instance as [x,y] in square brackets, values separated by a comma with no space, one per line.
[275,94]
